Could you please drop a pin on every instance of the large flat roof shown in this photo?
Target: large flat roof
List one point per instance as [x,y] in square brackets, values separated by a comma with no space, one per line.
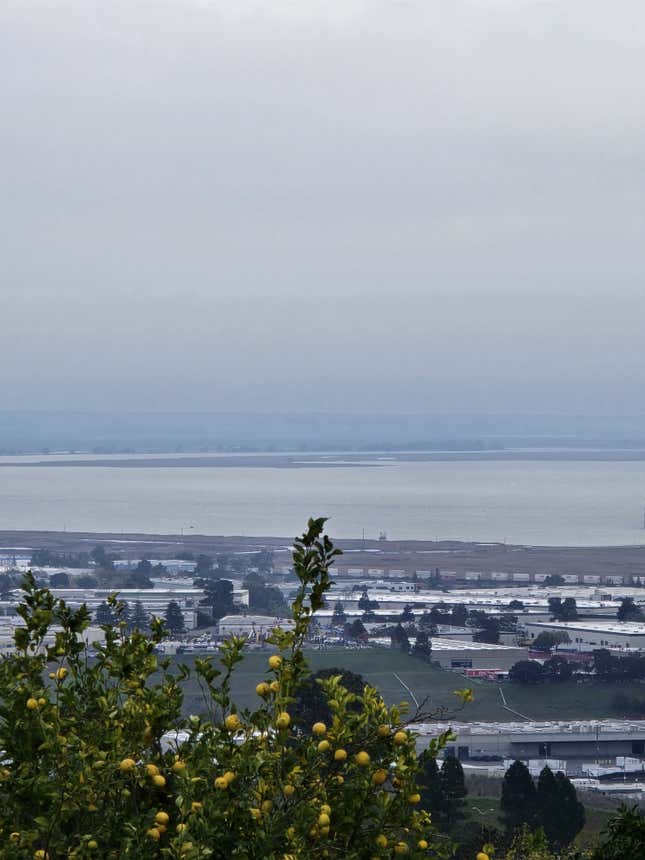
[625,628]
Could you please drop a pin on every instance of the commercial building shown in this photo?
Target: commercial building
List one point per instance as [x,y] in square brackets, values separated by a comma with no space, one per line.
[590,635]
[593,740]
[461,655]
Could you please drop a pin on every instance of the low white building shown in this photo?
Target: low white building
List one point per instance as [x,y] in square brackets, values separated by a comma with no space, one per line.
[590,635]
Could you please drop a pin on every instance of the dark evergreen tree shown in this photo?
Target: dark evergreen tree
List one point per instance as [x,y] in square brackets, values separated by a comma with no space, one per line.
[219,596]
[629,611]
[139,618]
[311,705]
[561,814]
[459,615]
[104,615]
[454,788]
[399,639]
[526,672]
[519,798]
[557,669]
[431,789]
[407,615]
[423,646]
[174,618]
[489,631]
[101,558]
[339,617]
[59,580]
[356,630]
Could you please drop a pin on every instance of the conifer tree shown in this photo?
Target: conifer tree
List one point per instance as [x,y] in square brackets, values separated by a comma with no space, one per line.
[519,797]
[422,646]
[174,618]
[431,788]
[454,788]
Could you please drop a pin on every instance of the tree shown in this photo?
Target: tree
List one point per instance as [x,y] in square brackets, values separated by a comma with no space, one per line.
[59,580]
[560,813]
[339,617]
[623,836]
[423,646]
[101,559]
[489,631]
[104,615]
[519,798]
[139,620]
[311,705]
[426,623]
[399,639]
[546,640]
[86,580]
[526,672]
[365,603]
[203,566]
[554,579]
[219,596]
[431,788]
[144,566]
[563,610]
[516,604]
[407,615]
[88,770]
[557,669]
[454,788]
[605,665]
[459,615]
[356,630]
[174,618]
[629,611]
[263,597]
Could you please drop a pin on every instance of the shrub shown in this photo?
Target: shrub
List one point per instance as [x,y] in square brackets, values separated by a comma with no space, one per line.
[99,762]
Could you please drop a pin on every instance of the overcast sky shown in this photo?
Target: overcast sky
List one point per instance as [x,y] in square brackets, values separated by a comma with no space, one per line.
[389,205]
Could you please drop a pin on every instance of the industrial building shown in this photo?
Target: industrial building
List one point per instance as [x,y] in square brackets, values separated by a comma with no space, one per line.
[255,627]
[590,635]
[593,740]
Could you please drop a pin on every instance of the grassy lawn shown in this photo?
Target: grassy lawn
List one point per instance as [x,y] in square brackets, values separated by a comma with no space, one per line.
[378,667]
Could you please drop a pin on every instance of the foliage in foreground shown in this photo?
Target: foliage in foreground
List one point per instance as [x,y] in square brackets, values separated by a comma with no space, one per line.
[98,761]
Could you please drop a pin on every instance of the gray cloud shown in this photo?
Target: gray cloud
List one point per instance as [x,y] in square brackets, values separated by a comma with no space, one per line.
[380,205]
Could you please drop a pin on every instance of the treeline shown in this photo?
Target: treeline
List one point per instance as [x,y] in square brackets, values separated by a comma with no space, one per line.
[603,666]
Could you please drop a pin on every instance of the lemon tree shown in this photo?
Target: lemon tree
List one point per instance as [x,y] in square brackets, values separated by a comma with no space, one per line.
[98,761]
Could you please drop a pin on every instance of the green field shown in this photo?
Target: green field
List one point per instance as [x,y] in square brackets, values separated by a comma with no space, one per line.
[378,666]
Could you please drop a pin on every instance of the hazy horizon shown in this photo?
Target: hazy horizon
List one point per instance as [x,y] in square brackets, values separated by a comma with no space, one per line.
[389,207]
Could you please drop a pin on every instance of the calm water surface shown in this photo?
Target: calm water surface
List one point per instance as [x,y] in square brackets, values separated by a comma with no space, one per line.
[556,503]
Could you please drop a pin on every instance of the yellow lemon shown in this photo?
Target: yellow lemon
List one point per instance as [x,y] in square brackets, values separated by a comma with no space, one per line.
[288,790]
[283,720]
[362,758]
[400,738]
[61,674]
[383,731]
[41,702]
[381,840]
[92,844]
[15,836]
[196,806]
[275,661]
[326,809]
[414,798]
[267,805]
[153,833]
[179,767]
[152,769]
[229,776]
[319,728]
[181,827]
[221,783]
[423,845]
[127,765]
[41,854]
[263,689]
[162,818]
[159,780]
[323,819]
[274,686]
[232,723]
[324,746]
[482,856]
[401,848]
[32,704]
[340,755]
[379,776]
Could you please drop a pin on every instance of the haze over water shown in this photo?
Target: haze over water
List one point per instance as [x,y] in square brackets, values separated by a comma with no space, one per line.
[542,503]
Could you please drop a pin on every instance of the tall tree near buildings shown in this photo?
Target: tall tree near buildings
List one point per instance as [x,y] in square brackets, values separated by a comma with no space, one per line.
[423,646]
[431,788]
[557,669]
[219,596]
[104,615]
[311,704]
[519,798]
[489,631]
[139,619]
[356,630]
[454,788]
[174,618]
[629,611]
[561,814]
[101,558]
[459,615]
[339,617]
[399,639]
[407,615]
[59,580]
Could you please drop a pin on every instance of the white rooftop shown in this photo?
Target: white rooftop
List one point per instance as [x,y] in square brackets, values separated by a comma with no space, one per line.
[626,628]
